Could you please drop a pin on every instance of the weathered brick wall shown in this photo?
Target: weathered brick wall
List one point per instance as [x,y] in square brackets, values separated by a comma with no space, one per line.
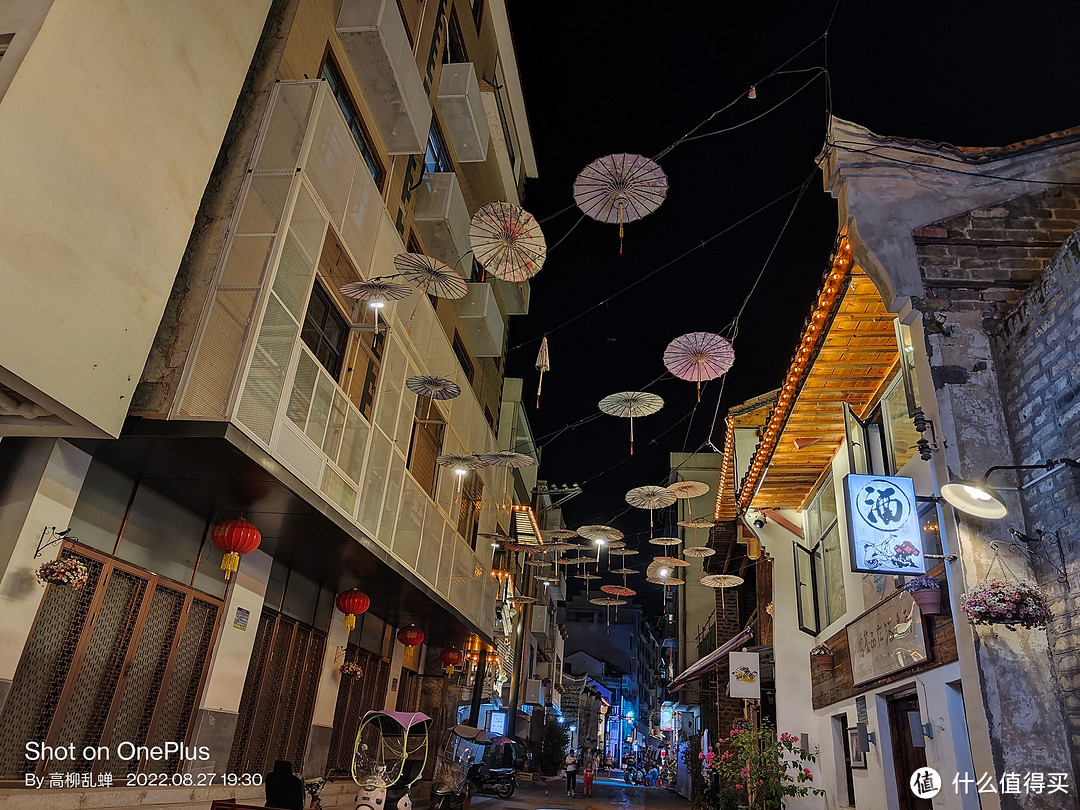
[1038,348]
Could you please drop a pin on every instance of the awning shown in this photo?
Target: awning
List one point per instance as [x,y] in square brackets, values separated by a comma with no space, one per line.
[710,661]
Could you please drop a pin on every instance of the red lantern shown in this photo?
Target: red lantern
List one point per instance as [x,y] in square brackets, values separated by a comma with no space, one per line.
[411,636]
[352,603]
[451,657]
[234,537]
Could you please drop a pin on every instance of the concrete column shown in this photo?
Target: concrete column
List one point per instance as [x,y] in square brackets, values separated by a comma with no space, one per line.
[41,479]
[322,719]
[219,709]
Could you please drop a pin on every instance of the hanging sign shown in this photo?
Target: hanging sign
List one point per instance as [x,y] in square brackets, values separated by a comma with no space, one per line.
[667,718]
[744,680]
[883,525]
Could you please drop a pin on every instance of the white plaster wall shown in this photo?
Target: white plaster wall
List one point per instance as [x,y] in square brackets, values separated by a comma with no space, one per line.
[330,675]
[232,652]
[110,128]
[47,499]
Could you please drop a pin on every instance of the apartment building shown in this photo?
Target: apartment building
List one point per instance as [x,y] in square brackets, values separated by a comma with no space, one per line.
[217,175]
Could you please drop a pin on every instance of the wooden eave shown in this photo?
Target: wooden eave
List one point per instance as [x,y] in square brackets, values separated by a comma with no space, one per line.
[847,354]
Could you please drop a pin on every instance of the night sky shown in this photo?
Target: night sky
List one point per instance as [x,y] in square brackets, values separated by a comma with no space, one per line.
[628,77]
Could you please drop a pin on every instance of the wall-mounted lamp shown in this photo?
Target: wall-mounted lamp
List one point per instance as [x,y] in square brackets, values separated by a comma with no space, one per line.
[978,498]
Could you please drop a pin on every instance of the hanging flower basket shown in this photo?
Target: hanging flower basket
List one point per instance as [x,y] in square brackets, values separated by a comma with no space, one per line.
[824,656]
[926,591]
[1007,602]
[68,571]
[351,670]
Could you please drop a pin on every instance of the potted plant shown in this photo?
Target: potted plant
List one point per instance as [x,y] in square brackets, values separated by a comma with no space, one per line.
[68,571]
[824,656]
[1007,602]
[765,770]
[926,591]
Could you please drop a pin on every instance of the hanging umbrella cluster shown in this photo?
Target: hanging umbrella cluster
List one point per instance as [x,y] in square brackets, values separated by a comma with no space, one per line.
[630,404]
[699,356]
[620,188]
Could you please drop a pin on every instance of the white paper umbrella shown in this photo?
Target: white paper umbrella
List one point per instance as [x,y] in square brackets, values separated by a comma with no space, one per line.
[665,541]
[431,276]
[559,534]
[721,581]
[620,188]
[432,387]
[507,240]
[628,404]
[684,490]
[598,532]
[671,562]
[650,497]
[543,363]
[377,292]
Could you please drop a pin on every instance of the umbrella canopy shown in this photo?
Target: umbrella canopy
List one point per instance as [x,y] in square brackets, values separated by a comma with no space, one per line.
[497,536]
[537,564]
[665,541]
[559,534]
[615,544]
[650,497]
[543,363]
[698,356]
[721,580]
[507,458]
[698,551]
[560,546]
[618,590]
[586,576]
[522,600]
[623,552]
[507,240]
[685,490]
[598,532]
[430,276]
[624,570]
[428,385]
[628,404]
[578,560]
[666,580]
[671,562]
[376,289]
[697,523]
[620,188]
[607,600]
[469,462]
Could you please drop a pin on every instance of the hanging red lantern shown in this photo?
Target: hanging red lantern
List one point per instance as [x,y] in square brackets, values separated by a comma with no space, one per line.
[234,537]
[451,657]
[411,635]
[352,603]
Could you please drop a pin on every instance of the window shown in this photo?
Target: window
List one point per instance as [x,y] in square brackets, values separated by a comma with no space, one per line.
[504,111]
[867,453]
[472,494]
[437,157]
[326,332]
[462,355]
[902,438]
[332,75]
[429,428]
[477,12]
[455,42]
[5,41]
[823,537]
[405,22]
[806,588]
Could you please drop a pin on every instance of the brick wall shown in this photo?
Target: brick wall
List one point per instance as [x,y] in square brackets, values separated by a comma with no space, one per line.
[1037,348]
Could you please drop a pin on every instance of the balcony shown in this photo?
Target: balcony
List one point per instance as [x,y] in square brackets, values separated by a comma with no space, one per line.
[482,321]
[463,112]
[373,35]
[514,296]
[442,217]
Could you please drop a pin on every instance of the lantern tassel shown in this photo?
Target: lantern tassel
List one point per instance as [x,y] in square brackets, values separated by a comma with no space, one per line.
[230,563]
[350,623]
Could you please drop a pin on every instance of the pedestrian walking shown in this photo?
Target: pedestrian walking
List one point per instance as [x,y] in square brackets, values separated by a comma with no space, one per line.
[571,774]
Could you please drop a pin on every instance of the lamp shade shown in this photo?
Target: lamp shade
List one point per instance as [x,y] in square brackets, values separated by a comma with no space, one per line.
[352,603]
[411,635]
[974,498]
[234,537]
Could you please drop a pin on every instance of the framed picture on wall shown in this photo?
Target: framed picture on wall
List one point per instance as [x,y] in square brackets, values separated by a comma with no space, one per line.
[858,756]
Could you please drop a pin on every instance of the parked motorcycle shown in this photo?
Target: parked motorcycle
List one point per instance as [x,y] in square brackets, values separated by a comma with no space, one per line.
[462,749]
[501,782]
[390,753]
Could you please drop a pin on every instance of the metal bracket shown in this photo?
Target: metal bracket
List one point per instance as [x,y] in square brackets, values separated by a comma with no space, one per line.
[1030,547]
[54,538]
[945,557]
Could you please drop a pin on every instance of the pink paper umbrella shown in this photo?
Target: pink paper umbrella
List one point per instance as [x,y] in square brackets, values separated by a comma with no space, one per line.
[698,356]
[620,188]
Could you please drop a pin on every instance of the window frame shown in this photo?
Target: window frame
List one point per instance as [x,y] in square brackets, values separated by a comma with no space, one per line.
[355,122]
[461,351]
[812,556]
[816,533]
[425,417]
[441,161]
[318,289]
[455,41]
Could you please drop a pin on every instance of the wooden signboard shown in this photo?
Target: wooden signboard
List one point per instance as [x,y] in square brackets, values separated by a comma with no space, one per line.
[886,639]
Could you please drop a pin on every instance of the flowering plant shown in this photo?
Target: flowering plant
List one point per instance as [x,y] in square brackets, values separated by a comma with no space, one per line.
[765,769]
[68,571]
[769,608]
[923,583]
[821,649]
[1007,602]
[351,670]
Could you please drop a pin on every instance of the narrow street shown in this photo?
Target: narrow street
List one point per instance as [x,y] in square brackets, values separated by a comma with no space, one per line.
[607,792]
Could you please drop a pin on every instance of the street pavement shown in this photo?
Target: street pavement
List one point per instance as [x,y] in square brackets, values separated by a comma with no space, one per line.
[607,792]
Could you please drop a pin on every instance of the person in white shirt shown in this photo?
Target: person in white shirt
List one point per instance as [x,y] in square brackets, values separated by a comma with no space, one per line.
[571,774]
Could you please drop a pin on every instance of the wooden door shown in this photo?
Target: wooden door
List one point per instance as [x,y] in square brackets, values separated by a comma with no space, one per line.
[906,757]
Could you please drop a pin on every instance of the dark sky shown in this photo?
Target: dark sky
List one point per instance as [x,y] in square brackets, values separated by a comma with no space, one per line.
[603,77]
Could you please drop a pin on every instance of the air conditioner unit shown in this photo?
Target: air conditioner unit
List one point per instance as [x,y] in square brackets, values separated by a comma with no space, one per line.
[463,111]
[482,321]
[534,692]
[442,218]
